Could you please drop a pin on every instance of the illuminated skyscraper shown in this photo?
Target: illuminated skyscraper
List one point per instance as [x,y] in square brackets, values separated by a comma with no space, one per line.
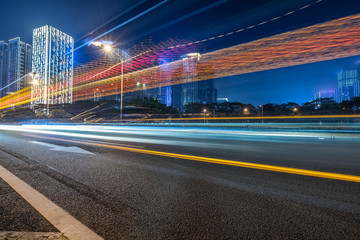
[347,85]
[52,63]
[357,88]
[192,91]
[15,63]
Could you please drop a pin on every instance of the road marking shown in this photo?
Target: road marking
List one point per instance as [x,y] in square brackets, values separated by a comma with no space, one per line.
[59,218]
[54,147]
[297,171]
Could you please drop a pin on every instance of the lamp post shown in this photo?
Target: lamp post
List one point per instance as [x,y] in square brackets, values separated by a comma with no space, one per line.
[246,111]
[295,110]
[108,48]
[262,113]
[204,111]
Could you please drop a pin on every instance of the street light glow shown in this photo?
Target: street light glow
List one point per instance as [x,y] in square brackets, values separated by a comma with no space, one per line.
[107,48]
[35,82]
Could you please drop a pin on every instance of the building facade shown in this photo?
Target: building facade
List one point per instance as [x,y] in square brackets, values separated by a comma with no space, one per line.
[52,65]
[347,81]
[191,90]
[3,66]
[357,88]
[19,65]
[15,64]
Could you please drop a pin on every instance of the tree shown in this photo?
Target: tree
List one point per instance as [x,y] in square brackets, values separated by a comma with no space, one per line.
[41,115]
[150,105]
[58,113]
[18,114]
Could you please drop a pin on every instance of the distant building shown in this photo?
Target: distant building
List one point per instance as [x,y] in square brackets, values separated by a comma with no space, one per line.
[192,90]
[19,64]
[52,63]
[170,92]
[357,88]
[3,66]
[15,63]
[323,97]
[348,85]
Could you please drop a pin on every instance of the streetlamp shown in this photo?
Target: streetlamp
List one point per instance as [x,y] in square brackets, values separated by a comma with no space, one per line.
[262,113]
[246,110]
[295,109]
[108,48]
[204,111]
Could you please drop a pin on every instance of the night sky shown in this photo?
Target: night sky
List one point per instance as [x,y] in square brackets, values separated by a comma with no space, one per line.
[192,20]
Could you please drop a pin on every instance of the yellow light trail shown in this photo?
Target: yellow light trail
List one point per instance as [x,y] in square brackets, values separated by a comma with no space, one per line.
[254,118]
[297,171]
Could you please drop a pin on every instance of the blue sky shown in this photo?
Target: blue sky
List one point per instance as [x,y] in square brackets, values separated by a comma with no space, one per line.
[292,84]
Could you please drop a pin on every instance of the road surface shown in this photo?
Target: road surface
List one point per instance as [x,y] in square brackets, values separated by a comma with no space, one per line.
[137,182]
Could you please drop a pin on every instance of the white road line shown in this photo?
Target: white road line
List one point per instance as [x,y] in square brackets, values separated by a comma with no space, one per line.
[54,147]
[59,218]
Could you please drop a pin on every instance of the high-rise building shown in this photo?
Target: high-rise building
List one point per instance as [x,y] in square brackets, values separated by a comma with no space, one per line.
[52,63]
[19,64]
[3,66]
[191,90]
[347,81]
[357,88]
[15,64]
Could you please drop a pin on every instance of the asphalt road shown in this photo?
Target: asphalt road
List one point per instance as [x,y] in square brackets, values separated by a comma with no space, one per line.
[122,194]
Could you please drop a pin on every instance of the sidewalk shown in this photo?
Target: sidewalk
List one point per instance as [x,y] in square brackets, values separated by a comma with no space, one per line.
[31,236]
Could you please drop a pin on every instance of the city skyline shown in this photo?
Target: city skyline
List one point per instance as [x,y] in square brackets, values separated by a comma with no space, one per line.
[237,88]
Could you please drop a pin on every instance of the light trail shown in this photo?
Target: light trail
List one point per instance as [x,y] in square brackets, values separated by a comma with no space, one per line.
[124,23]
[251,118]
[113,19]
[266,167]
[169,47]
[177,46]
[107,32]
[330,40]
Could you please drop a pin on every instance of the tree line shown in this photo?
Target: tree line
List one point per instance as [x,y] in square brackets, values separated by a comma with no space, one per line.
[150,106]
